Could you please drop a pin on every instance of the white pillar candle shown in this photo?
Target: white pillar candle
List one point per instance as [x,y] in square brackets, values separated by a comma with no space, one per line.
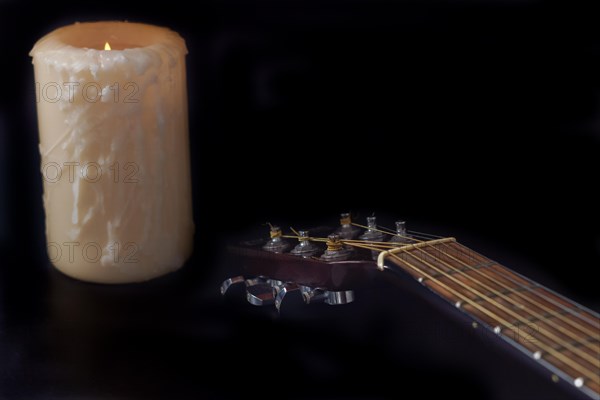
[114,150]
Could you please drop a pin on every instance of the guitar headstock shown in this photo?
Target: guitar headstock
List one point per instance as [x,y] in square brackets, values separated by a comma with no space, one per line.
[327,264]
[320,263]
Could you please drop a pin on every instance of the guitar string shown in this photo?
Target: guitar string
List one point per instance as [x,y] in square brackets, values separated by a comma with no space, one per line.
[576,366]
[524,296]
[518,306]
[529,298]
[492,314]
[507,310]
[383,245]
[568,333]
[422,238]
[515,277]
[424,234]
[521,286]
[537,315]
[537,294]
[369,245]
[542,296]
[414,235]
[390,232]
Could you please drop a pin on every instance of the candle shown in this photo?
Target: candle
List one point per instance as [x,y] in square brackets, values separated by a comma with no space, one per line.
[113,125]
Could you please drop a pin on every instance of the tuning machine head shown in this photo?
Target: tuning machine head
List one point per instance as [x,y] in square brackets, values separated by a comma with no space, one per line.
[305,247]
[347,230]
[336,251]
[261,291]
[276,244]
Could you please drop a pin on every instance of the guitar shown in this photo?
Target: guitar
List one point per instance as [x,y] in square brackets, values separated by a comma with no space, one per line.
[324,264]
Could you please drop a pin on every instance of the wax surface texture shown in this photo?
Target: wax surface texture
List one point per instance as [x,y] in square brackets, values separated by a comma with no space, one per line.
[113,128]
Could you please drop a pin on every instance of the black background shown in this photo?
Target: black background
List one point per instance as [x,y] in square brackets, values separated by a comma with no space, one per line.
[479,120]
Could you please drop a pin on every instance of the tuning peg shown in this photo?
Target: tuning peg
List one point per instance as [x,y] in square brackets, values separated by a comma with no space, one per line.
[336,251]
[227,283]
[401,236]
[283,291]
[316,295]
[346,229]
[305,248]
[372,234]
[339,297]
[312,295]
[260,292]
[276,244]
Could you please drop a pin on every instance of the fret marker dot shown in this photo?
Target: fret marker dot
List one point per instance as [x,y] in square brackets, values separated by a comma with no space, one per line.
[458,304]
[578,382]
[497,330]
[555,378]
[420,279]
[537,355]
[474,325]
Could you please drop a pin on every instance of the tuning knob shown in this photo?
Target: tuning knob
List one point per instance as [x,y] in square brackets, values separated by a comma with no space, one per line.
[284,291]
[317,295]
[260,291]
[401,236]
[305,248]
[276,244]
[312,295]
[260,294]
[340,297]
[346,229]
[227,283]
[336,251]
[372,234]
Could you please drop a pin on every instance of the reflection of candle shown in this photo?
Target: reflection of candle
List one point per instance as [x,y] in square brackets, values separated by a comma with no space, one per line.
[114,146]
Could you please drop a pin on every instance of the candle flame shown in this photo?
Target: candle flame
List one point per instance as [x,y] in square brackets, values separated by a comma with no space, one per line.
[107,46]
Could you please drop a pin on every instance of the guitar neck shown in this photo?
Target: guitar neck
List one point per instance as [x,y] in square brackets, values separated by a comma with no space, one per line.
[558,333]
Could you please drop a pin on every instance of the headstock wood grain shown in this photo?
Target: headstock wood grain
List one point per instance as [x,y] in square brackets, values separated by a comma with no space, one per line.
[326,264]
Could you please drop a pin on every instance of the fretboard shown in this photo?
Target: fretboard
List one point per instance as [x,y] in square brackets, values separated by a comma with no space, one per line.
[556,332]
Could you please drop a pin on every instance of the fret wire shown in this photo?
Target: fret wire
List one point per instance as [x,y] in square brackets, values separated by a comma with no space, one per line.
[549,335]
[574,309]
[501,320]
[527,335]
[593,340]
[546,316]
[510,291]
[509,300]
[505,273]
[552,336]
[533,301]
[478,266]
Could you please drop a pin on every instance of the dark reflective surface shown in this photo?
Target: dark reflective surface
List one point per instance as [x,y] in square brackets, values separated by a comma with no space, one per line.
[175,337]
[468,119]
